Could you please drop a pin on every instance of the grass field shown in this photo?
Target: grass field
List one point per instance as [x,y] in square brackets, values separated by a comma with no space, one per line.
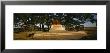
[89,33]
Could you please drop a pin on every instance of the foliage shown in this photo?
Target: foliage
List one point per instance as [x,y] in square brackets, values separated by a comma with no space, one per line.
[66,19]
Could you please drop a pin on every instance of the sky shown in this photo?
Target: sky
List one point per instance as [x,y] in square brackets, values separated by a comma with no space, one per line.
[89,24]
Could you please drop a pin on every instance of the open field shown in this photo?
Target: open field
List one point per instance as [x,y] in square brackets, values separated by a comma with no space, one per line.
[89,33]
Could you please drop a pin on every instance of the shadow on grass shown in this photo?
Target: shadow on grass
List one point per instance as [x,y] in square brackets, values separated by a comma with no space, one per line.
[90,37]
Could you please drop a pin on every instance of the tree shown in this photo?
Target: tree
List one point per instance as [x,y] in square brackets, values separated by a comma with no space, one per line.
[66,19]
